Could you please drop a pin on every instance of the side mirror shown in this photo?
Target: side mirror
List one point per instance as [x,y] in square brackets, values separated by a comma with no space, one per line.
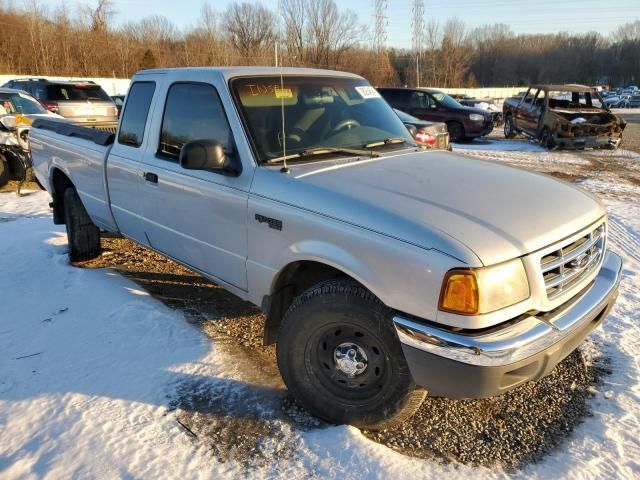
[412,129]
[8,122]
[206,155]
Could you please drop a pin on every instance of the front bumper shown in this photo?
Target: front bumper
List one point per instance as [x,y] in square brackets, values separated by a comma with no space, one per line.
[473,129]
[459,365]
[578,143]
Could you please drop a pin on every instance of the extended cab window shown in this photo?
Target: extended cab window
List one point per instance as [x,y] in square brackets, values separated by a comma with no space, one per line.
[193,112]
[135,114]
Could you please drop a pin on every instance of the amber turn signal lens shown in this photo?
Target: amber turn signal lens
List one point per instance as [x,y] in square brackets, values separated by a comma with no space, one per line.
[460,293]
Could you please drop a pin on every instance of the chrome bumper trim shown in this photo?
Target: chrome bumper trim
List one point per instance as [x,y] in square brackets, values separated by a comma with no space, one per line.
[524,338]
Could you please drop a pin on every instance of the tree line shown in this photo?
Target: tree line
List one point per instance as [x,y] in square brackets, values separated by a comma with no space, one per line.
[87,42]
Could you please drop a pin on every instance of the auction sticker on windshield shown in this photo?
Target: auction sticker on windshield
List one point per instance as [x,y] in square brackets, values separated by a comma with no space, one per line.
[367,92]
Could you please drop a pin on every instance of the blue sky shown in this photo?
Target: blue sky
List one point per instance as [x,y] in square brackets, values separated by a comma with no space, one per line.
[532,16]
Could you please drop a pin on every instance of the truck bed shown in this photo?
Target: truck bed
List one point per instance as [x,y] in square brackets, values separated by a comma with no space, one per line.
[80,152]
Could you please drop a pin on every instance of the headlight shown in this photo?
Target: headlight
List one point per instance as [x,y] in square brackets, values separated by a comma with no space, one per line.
[476,117]
[484,290]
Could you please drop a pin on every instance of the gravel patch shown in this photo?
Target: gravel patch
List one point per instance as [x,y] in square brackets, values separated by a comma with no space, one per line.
[509,431]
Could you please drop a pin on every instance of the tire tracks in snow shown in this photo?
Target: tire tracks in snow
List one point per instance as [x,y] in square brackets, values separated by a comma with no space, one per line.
[623,239]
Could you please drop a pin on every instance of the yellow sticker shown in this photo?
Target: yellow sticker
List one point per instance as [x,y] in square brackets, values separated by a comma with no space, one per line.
[283,92]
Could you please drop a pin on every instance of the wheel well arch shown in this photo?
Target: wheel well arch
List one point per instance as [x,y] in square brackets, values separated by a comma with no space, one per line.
[291,281]
[59,183]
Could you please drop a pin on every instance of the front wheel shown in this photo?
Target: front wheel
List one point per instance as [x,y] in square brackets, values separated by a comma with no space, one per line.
[546,139]
[456,131]
[509,130]
[341,358]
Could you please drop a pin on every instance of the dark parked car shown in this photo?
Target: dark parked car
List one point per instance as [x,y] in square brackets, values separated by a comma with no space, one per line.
[80,101]
[464,123]
[430,134]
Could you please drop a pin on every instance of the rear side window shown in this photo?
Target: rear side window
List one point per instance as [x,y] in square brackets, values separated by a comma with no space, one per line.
[395,98]
[39,91]
[193,112]
[419,100]
[80,92]
[135,113]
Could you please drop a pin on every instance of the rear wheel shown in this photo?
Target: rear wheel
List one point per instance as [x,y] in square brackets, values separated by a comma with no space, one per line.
[83,236]
[340,357]
[456,131]
[509,130]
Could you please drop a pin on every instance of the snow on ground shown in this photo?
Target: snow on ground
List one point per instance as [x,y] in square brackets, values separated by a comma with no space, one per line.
[88,361]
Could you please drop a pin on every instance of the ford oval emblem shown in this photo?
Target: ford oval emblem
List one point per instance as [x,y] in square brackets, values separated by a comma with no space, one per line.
[580,261]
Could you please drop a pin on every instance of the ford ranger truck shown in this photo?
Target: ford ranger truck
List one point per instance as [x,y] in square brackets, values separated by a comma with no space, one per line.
[385,271]
[563,116]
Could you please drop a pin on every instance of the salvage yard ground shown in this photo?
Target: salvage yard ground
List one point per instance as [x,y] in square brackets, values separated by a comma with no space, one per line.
[131,366]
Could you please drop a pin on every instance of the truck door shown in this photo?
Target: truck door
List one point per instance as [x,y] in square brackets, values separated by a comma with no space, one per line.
[123,169]
[528,113]
[197,217]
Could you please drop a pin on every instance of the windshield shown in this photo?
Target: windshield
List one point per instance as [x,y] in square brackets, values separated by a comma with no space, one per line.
[58,92]
[12,103]
[571,100]
[318,112]
[446,100]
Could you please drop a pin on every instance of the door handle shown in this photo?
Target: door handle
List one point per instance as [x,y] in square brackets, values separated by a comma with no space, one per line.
[151,177]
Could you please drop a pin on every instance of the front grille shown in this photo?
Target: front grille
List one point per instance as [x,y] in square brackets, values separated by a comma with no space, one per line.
[565,267]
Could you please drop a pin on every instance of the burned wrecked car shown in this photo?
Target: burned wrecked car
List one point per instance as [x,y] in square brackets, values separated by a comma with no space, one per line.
[564,116]
[17,111]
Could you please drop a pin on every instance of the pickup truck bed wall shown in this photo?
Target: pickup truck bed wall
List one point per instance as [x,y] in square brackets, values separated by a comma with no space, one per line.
[76,153]
[97,136]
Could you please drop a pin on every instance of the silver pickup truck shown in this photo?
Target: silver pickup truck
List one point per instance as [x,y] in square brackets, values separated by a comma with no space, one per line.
[385,270]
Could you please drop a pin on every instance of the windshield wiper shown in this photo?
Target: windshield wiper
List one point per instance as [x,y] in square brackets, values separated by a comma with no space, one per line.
[310,152]
[386,141]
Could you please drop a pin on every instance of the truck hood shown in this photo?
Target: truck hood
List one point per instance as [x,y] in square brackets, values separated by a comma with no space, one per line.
[439,200]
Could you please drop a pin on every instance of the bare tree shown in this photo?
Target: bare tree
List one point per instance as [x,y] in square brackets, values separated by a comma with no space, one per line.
[294,16]
[251,29]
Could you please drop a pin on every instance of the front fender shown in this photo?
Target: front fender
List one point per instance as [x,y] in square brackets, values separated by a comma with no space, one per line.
[403,276]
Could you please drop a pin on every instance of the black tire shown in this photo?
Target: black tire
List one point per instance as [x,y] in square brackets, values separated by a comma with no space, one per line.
[509,129]
[546,139]
[456,131]
[82,234]
[4,171]
[336,318]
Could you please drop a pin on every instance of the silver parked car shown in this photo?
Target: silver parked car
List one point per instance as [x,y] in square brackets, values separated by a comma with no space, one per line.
[80,101]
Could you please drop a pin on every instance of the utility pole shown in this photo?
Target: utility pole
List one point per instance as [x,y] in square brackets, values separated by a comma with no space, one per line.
[380,32]
[417,25]
[276,51]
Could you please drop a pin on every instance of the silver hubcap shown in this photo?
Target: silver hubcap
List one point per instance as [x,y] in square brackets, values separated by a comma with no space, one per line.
[350,359]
